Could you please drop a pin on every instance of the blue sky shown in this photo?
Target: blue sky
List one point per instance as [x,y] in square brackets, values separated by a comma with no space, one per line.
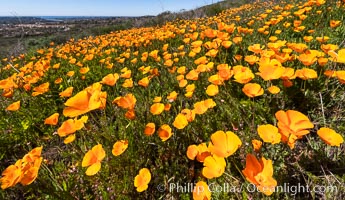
[96,7]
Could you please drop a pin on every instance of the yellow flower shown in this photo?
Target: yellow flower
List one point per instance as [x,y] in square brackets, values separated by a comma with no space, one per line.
[67,92]
[14,106]
[256,145]
[224,144]
[43,88]
[201,191]
[269,133]
[330,137]
[110,79]
[71,126]
[260,173]
[142,180]
[126,102]
[119,147]
[92,160]
[164,132]
[252,90]
[292,123]
[212,90]
[90,98]
[149,129]
[273,89]
[214,167]
[52,120]
[157,108]
[180,121]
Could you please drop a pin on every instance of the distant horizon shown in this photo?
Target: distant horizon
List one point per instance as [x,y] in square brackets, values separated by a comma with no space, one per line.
[101,8]
[72,16]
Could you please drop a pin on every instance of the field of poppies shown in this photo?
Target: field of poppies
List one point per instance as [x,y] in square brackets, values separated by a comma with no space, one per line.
[247,104]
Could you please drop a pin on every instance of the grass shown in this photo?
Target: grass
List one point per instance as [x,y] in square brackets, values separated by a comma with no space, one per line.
[310,164]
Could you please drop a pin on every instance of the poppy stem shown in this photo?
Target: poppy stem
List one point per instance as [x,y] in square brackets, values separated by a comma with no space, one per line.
[322,109]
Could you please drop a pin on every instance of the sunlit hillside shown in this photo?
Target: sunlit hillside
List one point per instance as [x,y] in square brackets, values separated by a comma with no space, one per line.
[247,104]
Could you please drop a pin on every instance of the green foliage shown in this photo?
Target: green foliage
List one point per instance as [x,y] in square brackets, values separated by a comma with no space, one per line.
[62,176]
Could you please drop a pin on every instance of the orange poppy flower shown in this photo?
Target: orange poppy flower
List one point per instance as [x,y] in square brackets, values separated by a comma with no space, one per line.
[273,89]
[58,81]
[340,74]
[256,48]
[307,59]
[25,170]
[212,90]
[224,144]
[214,167]
[190,114]
[226,44]
[84,101]
[71,126]
[330,137]
[167,107]
[242,74]
[181,70]
[14,106]
[192,152]
[256,145]
[292,122]
[126,73]
[201,191]
[67,92]
[334,23]
[119,147]
[200,107]
[260,173]
[126,102]
[130,114]
[237,40]
[128,83]
[7,83]
[52,119]
[11,175]
[180,121]
[144,82]
[70,138]
[43,88]
[269,133]
[252,90]
[92,160]
[216,79]
[84,70]
[110,79]
[306,73]
[190,88]
[251,59]
[70,73]
[164,132]
[209,103]
[150,129]
[192,75]
[157,108]
[199,152]
[182,83]
[30,169]
[338,57]
[142,180]
[8,93]
[322,61]
[224,72]
[270,69]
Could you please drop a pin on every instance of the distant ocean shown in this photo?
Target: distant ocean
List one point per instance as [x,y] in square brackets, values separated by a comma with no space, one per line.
[61,18]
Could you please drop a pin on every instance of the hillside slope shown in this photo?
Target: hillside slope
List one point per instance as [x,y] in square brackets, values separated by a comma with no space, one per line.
[246,104]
